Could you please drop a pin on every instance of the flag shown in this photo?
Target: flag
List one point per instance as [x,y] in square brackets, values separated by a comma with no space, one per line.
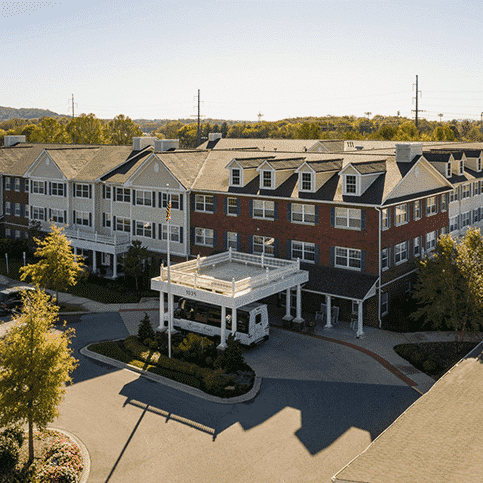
[168,211]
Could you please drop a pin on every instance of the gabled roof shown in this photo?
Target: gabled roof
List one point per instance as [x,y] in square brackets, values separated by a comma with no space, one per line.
[370,167]
[280,164]
[438,439]
[322,166]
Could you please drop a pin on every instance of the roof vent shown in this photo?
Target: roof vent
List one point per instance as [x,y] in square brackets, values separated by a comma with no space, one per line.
[359,148]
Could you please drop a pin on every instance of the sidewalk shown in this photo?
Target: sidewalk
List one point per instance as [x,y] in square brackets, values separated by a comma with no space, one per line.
[376,343]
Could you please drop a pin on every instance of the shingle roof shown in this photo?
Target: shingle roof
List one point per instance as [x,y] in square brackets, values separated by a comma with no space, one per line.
[371,167]
[438,439]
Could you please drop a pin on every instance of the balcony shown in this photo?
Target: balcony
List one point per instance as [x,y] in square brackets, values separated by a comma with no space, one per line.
[116,244]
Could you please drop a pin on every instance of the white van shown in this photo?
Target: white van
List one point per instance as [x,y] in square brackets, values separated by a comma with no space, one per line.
[203,318]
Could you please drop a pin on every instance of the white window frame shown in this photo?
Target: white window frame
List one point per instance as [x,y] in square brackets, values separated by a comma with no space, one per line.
[384,259]
[232,206]
[444,202]
[123,224]
[38,188]
[306,184]
[83,217]
[264,209]
[263,245]
[57,189]
[232,240]
[465,191]
[431,206]
[417,247]
[453,196]
[465,219]
[351,257]
[57,216]
[401,211]
[302,214]
[8,208]
[144,229]
[384,303]
[8,232]
[17,184]
[81,190]
[401,253]
[478,164]
[18,209]
[144,198]
[236,177]
[386,218]
[105,259]
[351,184]
[8,183]
[174,230]
[453,223]
[461,167]
[448,169]
[417,210]
[174,198]
[204,236]
[37,213]
[107,220]
[431,240]
[122,195]
[267,179]
[204,203]
[305,251]
[348,218]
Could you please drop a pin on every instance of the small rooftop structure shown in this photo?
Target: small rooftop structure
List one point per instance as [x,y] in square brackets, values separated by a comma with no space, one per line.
[230,279]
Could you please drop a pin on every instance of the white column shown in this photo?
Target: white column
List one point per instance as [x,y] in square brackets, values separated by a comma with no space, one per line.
[161,327]
[114,265]
[328,301]
[223,329]
[170,311]
[360,333]
[233,322]
[298,319]
[288,316]
[94,261]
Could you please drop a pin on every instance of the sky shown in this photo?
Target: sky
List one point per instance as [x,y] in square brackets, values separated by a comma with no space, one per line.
[278,58]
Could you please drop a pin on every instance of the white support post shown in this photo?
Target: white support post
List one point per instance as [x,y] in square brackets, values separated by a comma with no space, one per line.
[360,332]
[233,322]
[298,318]
[94,261]
[223,329]
[171,328]
[328,302]
[162,327]
[288,316]
[114,266]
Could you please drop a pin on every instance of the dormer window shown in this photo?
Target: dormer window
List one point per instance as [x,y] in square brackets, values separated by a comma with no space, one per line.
[350,184]
[460,168]
[235,177]
[478,164]
[448,170]
[266,180]
[306,182]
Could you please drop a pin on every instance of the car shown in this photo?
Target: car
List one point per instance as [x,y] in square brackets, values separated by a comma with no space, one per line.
[11,298]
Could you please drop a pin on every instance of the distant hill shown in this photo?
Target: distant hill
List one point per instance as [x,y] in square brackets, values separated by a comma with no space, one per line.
[7,113]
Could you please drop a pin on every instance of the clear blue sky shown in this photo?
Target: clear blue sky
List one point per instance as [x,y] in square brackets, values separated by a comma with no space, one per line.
[282,58]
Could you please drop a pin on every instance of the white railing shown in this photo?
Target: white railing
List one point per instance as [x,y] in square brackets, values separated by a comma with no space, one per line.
[117,239]
[187,273]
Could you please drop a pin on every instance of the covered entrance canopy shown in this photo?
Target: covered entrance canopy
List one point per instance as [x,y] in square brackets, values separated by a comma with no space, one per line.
[230,280]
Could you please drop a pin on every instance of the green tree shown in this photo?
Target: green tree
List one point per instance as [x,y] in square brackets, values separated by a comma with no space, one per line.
[442,133]
[134,261]
[121,130]
[407,131]
[36,366]
[51,131]
[145,329]
[59,268]
[85,129]
[449,291]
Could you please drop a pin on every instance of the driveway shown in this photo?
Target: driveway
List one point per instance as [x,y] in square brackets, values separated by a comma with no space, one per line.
[319,406]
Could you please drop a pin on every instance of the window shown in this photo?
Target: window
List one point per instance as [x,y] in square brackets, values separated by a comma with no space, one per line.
[431,240]
[232,206]
[144,198]
[417,247]
[267,179]
[386,218]
[401,253]
[18,209]
[348,258]
[175,201]
[303,250]
[8,232]
[57,189]
[417,210]
[453,196]
[264,209]
[37,213]
[57,216]
[8,208]
[174,230]
[466,219]
[105,259]
[26,187]
[82,218]
[106,192]
[448,170]
[384,303]
[204,203]
[204,236]
[348,218]
[18,234]
[465,191]
[431,208]
[235,177]
[476,188]
[106,220]
[123,224]
[306,182]
[355,307]
[38,187]
[350,184]
[144,228]
[401,214]
[453,223]
[444,202]
[81,190]
[478,164]
[461,167]
[17,184]
[123,195]
[8,185]
[385,258]
[302,213]
[264,245]
[476,215]
[232,240]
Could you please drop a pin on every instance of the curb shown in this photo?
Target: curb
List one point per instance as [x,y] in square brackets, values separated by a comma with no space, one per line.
[86,459]
[251,394]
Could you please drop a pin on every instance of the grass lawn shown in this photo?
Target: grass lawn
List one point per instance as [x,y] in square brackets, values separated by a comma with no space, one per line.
[434,358]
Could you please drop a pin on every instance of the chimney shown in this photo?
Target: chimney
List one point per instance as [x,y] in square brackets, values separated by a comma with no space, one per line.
[142,142]
[406,152]
[166,145]
[12,140]
[213,136]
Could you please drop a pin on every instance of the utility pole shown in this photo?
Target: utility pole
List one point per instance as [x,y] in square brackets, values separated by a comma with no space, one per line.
[198,135]
[260,115]
[417,110]
[440,117]
[72,100]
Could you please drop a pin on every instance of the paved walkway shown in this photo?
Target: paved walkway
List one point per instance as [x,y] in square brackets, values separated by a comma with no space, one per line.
[376,343]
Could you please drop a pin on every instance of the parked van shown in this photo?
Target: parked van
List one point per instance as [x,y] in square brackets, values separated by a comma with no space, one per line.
[203,318]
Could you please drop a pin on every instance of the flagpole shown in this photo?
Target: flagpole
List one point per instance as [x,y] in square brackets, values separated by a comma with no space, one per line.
[170,309]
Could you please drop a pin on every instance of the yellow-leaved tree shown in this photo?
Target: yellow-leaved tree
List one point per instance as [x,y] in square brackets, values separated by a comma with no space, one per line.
[35,366]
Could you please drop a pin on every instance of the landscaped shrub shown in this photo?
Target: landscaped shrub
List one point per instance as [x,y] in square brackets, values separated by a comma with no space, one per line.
[215,382]
[195,348]
[232,358]
[15,432]
[52,473]
[145,329]
[147,342]
[110,349]
[9,453]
